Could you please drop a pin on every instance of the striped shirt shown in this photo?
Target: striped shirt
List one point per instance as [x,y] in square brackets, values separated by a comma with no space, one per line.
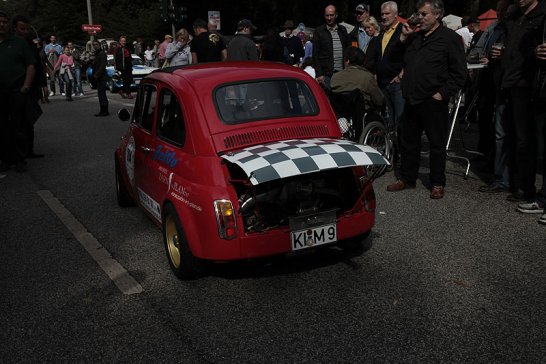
[337,48]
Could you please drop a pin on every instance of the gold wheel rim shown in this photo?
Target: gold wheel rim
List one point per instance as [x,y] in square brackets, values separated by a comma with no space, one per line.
[173,242]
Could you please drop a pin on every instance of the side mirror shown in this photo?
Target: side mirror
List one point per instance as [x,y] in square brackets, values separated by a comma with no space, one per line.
[124,115]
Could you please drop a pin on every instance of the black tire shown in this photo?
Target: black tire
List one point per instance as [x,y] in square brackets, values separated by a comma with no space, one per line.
[183,263]
[122,193]
[112,87]
[376,135]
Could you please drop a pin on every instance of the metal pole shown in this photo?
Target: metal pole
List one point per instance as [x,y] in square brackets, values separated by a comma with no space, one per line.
[173,30]
[90,16]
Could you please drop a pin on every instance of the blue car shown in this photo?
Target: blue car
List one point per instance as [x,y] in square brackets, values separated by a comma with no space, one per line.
[114,80]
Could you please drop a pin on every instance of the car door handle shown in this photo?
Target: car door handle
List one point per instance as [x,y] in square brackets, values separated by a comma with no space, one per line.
[145,149]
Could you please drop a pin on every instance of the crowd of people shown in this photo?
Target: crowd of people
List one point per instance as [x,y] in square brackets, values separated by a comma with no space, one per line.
[411,70]
[420,65]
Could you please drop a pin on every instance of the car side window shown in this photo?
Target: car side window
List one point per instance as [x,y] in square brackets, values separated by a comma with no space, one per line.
[145,107]
[170,120]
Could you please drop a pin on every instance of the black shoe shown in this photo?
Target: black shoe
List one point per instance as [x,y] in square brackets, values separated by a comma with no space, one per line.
[103,113]
[34,155]
[519,196]
[492,188]
[70,99]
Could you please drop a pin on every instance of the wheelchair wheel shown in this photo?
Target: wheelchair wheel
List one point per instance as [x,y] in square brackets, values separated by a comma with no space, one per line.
[376,135]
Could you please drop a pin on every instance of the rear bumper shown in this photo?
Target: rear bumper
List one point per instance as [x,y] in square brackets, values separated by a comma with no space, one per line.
[277,241]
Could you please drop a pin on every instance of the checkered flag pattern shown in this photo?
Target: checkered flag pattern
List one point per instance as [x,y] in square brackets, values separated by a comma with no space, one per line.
[268,162]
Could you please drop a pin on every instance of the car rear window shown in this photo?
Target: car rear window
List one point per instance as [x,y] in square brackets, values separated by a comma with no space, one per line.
[239,103]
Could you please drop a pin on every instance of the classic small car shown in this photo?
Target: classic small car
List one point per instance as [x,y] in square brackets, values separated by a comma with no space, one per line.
[115,82]
[237,160]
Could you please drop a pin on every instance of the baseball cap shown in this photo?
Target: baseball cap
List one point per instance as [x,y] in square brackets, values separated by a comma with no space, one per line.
[363,8]
[168,36]
[245,23]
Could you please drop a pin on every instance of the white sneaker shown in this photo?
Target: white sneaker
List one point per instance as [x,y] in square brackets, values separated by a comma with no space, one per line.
[533,207]
[62,93]
[52,93]
[73,95]
[542,219]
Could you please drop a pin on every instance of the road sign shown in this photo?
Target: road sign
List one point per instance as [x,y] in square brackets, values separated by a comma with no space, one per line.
[214,17]
[92,28]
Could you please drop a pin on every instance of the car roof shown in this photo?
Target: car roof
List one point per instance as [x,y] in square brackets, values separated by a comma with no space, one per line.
[224,72]
[199,81]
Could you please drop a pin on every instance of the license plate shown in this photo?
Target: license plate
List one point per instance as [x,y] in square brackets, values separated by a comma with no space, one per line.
[319,235]
[137,82]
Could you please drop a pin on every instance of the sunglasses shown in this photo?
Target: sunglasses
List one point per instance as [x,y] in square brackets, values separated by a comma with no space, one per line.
[359,13]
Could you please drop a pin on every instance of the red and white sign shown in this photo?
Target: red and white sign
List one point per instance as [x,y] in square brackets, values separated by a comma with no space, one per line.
[92,28]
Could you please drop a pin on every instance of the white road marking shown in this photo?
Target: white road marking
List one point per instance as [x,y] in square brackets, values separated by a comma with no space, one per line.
[117,273]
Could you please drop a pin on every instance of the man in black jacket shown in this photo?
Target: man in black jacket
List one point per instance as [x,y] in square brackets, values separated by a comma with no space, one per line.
[388,65]
[435,71]
[101,77]
[524,33]
[329,42]
[124,64]
[293,44]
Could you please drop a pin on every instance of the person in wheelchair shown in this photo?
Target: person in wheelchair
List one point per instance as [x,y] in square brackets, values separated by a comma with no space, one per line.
[354,90]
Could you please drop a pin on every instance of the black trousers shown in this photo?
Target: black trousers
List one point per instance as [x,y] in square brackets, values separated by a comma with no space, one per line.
[13,127]
[101,93]
[127,79]
[522,139]
[432,117]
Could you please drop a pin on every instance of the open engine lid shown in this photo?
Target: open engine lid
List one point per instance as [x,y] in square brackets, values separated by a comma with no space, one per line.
[287,158]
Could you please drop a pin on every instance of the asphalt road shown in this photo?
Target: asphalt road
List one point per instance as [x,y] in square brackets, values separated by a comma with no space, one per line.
[461,279]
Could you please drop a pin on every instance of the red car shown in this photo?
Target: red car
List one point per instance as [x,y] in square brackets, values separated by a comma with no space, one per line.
[242,160]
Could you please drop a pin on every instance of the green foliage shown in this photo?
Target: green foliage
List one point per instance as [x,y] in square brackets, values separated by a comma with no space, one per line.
[141,18]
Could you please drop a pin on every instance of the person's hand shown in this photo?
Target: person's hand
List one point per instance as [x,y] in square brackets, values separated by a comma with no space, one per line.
[438,96]
[484,60]
[407,30]
[540,51]
[396,79]
[497,51]
[25,89]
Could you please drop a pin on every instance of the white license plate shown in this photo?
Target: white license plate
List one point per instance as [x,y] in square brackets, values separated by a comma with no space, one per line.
[137,82]
[307,238]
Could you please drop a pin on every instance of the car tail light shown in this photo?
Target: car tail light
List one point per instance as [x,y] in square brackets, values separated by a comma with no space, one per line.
[225,219]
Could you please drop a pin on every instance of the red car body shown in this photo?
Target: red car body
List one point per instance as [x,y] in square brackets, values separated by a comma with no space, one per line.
[187,160]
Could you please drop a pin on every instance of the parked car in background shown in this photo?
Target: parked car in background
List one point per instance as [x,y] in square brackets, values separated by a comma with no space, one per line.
[238,160]
[115,82]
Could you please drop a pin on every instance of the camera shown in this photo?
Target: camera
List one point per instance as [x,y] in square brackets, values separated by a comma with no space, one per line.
[413,20]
